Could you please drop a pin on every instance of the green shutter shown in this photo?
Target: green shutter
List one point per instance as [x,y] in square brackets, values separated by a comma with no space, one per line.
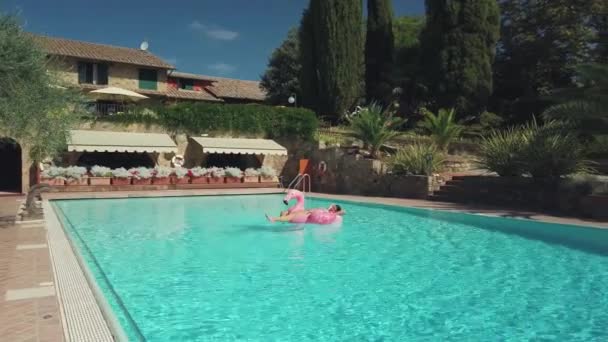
[148,79]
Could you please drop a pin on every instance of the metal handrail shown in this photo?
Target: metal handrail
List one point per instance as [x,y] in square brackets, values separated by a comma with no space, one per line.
[301,178]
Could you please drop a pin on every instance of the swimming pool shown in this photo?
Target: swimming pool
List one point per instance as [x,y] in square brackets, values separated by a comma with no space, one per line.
[212,268]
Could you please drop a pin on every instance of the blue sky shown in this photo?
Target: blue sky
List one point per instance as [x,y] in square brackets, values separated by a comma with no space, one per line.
[231,38]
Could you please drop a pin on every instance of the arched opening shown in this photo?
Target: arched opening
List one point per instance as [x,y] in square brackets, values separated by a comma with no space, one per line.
[242,161]
[10,172]
[115,159]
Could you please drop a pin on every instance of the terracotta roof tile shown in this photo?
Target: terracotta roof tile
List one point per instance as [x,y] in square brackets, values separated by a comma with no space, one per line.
[227,87]
[192,95]
[100,52]
[237,89]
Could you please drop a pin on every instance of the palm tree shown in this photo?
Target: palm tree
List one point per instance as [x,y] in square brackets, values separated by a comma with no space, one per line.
[374,126]
[586,105]
[442,127]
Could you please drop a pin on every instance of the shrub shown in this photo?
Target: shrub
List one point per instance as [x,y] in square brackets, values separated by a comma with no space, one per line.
[162,172]
[121,172]
[54,172]
[267,171]
[417,159]
[251,172]
[442,127]
[233,172]
[198,171]
[374,127]
[101,171]
[141,172]
[501,152]
[550,155]
[548,151]
[244,119]
[75,172]
[180,172]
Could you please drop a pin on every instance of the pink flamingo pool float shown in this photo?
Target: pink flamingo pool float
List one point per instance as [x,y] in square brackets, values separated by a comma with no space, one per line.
[316,216]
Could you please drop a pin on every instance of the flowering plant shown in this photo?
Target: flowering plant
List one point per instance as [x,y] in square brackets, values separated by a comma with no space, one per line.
[197,171]
[54,172]
[180,172]
[75,172]
[162,172]
[267,171]
[216,172]
[121,173]
[140,172]
[234,172]
[101,171]
[251,172]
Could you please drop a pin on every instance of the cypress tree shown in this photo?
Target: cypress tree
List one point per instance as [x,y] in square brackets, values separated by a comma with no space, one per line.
[308,63]
[379,46]
[331,38]
[459,45]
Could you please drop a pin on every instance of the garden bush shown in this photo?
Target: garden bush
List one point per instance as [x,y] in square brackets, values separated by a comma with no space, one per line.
[417,159]
[548,151]
[241,119]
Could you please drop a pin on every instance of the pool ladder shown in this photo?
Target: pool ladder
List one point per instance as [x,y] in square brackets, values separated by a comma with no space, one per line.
[303,180]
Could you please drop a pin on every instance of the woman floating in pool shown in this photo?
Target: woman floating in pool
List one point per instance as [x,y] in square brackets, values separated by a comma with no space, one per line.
[318,215]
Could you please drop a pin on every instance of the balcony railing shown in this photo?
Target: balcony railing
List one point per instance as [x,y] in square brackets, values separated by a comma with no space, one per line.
[103,109]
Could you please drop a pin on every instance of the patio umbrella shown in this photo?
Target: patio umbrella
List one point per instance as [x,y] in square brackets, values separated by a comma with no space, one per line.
[116,94]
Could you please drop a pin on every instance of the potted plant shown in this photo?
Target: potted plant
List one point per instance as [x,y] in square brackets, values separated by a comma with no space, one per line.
[233,175]
[198,175]
[141,176]
[121,176]
[100,175]
[268,174]
[53,176]
[161,175]
[215,175]
[181,175]
[76,175]
[251,176]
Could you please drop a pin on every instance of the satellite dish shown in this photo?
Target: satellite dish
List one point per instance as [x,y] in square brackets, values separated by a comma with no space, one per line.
[144,46]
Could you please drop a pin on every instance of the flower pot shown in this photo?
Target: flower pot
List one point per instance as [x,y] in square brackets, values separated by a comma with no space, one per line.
[121,181]
[77,181]
[232,180]
[272,179]
[183,180]
[142,181]
[53,181]
[213,180]
[161,181]
[99,180]
[251,179]
[200,180]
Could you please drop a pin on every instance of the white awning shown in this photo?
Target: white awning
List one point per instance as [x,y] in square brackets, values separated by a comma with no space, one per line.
[240,146]
[107,141]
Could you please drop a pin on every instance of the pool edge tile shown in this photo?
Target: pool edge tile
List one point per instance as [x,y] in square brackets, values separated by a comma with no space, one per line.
[82,316]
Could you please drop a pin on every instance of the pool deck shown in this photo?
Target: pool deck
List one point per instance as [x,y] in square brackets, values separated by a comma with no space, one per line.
[44,295]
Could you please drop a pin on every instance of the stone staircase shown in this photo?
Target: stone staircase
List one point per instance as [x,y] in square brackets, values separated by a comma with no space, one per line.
[454,190]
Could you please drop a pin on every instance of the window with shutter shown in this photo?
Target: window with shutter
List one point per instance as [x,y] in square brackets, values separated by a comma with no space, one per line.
[148,79]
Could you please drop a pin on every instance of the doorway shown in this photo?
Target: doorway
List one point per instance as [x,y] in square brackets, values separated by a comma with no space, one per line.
[10,172]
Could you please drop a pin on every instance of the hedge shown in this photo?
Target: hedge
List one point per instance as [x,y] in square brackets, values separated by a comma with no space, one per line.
[244,119]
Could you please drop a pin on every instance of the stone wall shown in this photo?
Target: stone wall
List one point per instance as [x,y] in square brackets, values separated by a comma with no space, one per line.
[356,175]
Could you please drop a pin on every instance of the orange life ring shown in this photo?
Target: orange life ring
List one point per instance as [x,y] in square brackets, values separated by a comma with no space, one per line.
[322,168]
[178,160]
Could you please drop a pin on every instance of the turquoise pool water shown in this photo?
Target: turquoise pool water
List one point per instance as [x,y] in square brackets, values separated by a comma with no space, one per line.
[212,269]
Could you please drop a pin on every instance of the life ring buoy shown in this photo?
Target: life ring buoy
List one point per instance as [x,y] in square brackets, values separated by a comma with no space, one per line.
[322,168]
[177,160]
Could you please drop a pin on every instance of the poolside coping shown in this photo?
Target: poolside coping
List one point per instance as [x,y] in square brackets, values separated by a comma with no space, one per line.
[82,316]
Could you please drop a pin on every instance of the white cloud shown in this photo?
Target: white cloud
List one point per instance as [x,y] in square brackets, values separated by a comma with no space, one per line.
[213,32]
[222,68]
